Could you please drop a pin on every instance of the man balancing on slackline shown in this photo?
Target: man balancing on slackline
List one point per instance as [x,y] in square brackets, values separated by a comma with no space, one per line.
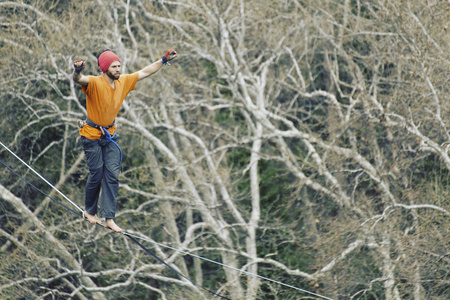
[104,97]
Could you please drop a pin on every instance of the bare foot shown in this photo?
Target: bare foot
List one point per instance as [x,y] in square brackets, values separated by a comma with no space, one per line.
[93,219]
[109,223]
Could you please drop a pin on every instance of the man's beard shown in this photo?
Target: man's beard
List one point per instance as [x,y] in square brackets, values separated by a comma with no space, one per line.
[113,77]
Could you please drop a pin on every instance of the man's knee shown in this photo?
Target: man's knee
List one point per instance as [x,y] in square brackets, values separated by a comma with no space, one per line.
[96,175]
[111,174]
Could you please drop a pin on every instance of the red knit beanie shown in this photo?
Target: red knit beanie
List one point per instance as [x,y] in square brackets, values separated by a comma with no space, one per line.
[106,58]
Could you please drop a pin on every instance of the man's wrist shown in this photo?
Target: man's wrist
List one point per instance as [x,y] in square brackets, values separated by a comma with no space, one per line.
[76,75]
[165,61]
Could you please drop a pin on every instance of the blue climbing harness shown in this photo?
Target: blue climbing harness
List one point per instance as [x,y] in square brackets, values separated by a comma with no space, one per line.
[105,133]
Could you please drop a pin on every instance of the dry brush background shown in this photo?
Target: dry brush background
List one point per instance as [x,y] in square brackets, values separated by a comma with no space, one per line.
[305,141]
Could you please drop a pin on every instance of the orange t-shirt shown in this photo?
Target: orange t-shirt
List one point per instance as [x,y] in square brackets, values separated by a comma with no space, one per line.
[103,102]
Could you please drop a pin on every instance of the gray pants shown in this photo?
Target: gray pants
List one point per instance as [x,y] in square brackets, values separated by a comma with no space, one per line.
[103,161]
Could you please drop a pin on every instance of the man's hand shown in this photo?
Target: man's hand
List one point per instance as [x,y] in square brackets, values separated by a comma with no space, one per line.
[154,67]
[79,78]
[79,65]
[170,54]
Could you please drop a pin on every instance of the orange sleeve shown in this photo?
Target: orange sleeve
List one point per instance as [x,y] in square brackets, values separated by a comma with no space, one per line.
[87,89]
[131,80]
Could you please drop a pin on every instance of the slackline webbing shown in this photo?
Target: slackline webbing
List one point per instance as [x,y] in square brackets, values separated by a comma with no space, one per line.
[134,237]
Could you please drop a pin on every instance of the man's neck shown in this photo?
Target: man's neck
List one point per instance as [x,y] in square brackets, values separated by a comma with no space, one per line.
[110,80]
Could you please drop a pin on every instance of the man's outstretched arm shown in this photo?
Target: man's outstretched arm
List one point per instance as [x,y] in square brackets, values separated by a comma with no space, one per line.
[154,67]
[77,76]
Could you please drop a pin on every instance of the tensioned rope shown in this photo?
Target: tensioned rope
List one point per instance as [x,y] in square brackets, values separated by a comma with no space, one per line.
[134,237]
[231,267]
[39,175]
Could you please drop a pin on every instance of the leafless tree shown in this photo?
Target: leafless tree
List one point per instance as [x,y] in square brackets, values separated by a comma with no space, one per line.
[304,141]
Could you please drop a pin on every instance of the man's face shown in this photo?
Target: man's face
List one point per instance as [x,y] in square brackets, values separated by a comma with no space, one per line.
[113,71]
